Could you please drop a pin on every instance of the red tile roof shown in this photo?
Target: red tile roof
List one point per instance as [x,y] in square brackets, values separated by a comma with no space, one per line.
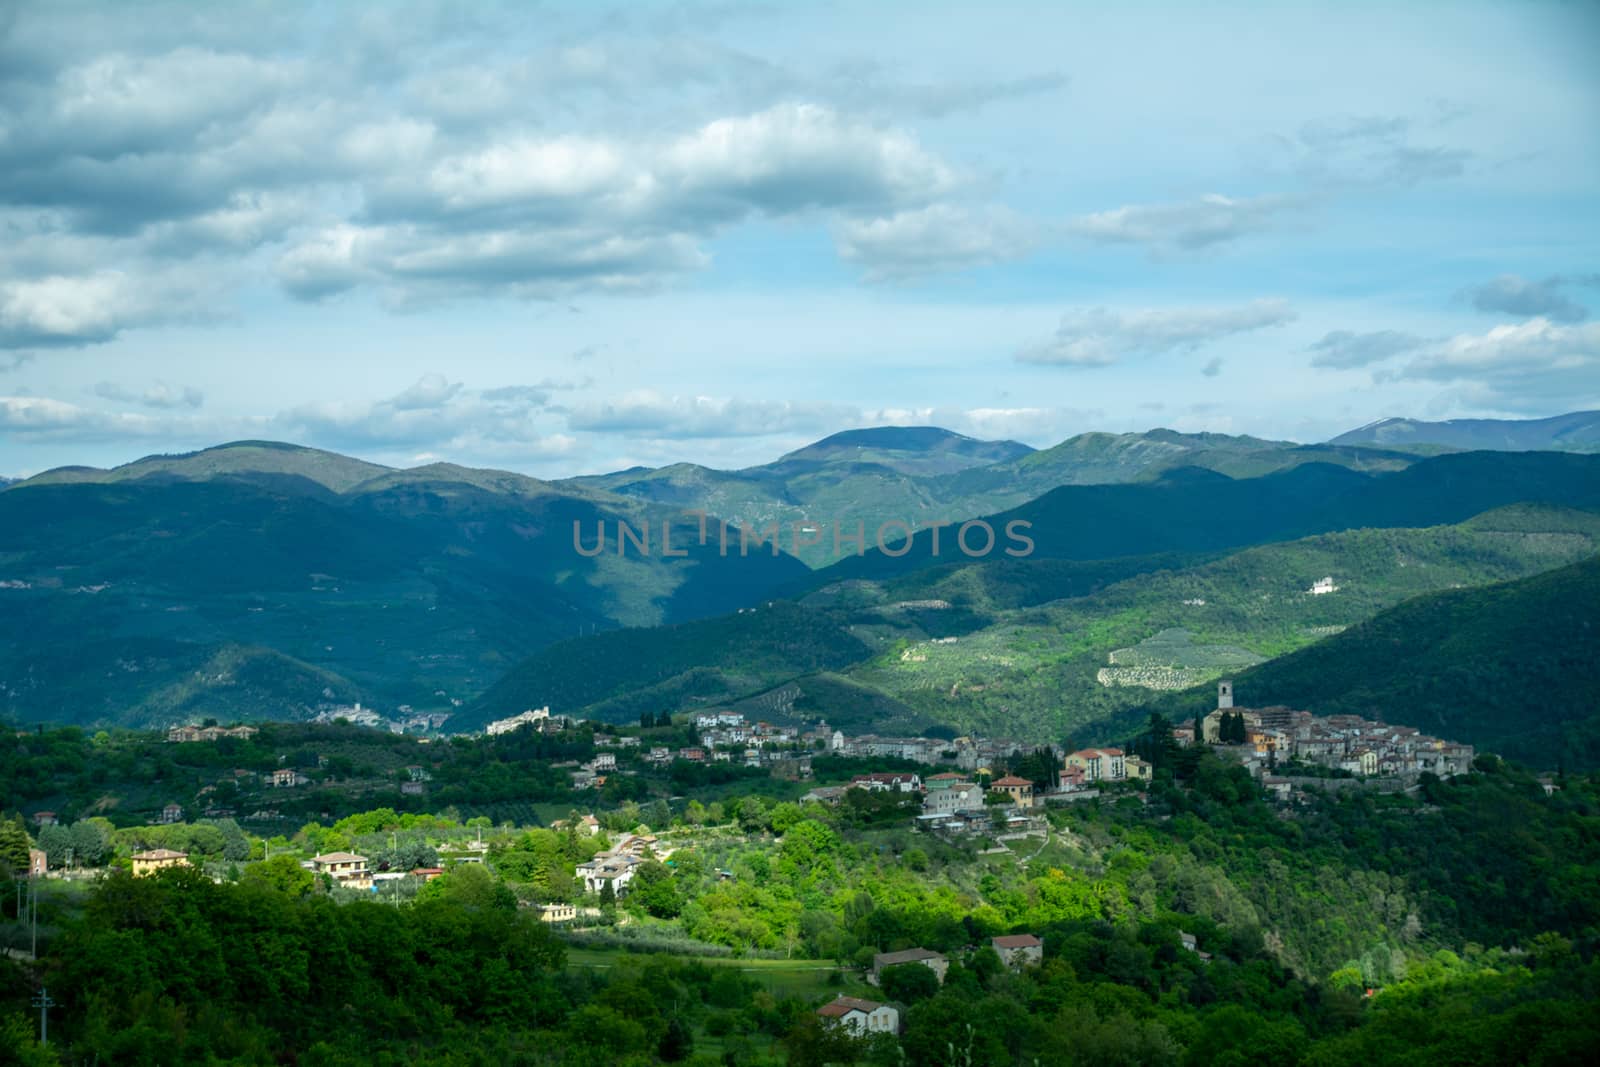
[1017,941]
[845,1005]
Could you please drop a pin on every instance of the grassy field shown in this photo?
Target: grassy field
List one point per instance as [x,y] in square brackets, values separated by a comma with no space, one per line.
[806,979]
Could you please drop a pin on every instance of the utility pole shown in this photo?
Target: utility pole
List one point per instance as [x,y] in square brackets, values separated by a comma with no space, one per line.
[44,1004]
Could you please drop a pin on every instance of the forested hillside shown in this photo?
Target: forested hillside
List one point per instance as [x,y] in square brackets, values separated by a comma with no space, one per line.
[1510,667]
[401,587]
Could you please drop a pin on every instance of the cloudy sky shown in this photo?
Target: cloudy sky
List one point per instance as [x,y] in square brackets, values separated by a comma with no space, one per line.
[560,238]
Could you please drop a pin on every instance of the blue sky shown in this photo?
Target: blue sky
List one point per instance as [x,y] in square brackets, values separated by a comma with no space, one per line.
[562,238]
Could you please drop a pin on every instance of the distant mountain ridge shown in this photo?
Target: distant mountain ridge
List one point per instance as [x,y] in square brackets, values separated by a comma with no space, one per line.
[926,474]
[1198,510]
[412,586]
[1577,431]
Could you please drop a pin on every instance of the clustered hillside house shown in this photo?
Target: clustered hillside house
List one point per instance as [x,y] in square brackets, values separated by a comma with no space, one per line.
[967,753]
[1018,790]
[887,782]
[615,866]
[861,1016]
[1261,738]
[1090,765]
[209,733]
[157,859]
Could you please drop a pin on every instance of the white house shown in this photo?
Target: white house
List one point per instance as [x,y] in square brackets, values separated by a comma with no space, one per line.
[862,1016]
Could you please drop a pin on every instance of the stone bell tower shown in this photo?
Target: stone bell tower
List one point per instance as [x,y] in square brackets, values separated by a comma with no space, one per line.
[1224,695]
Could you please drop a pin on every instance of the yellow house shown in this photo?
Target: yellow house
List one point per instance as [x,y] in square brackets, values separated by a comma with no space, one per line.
[150,862]
[1019,790]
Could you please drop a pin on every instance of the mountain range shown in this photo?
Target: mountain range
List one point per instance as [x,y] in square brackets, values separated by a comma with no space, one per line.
[267,580]
[1577,431]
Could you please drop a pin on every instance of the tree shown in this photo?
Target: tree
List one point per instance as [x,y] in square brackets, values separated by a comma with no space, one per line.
[91,841]
[909,982]
[282,873]
[14,845]
[752,815]
[235,845]
[56,841]
[811,1042]
[653,890]
[676,1043]
[608,895]
[471,886]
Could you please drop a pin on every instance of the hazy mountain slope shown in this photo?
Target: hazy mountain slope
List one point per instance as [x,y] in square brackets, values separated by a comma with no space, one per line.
[920,450]
[667,667]
[1577,431]
[1110,459]
[247,459]
[1510,667]
[924,475]
[1191,510]
[869,476]
[415,587]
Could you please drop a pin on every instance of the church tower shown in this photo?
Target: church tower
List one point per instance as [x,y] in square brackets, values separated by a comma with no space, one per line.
[1224,695]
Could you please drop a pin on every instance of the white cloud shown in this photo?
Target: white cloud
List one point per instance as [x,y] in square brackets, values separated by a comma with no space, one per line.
[1524,367]
[1097,337]
[432,412]
[1511,295]
[1343,349]
[646,413]
[161,396]
[941,237]
[35,418]
[1371,150]
[65,310]
[1212,219]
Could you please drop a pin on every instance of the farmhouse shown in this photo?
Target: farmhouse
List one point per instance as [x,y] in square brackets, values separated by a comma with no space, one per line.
[617,870]
[929,959]
[861,1016]
[1019,950]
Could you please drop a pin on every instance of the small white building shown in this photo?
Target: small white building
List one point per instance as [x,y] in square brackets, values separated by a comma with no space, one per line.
[862,1016]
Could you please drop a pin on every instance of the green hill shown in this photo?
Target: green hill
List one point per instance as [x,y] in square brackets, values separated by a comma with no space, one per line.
[617,675]
[1054,670]
[1512,667]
